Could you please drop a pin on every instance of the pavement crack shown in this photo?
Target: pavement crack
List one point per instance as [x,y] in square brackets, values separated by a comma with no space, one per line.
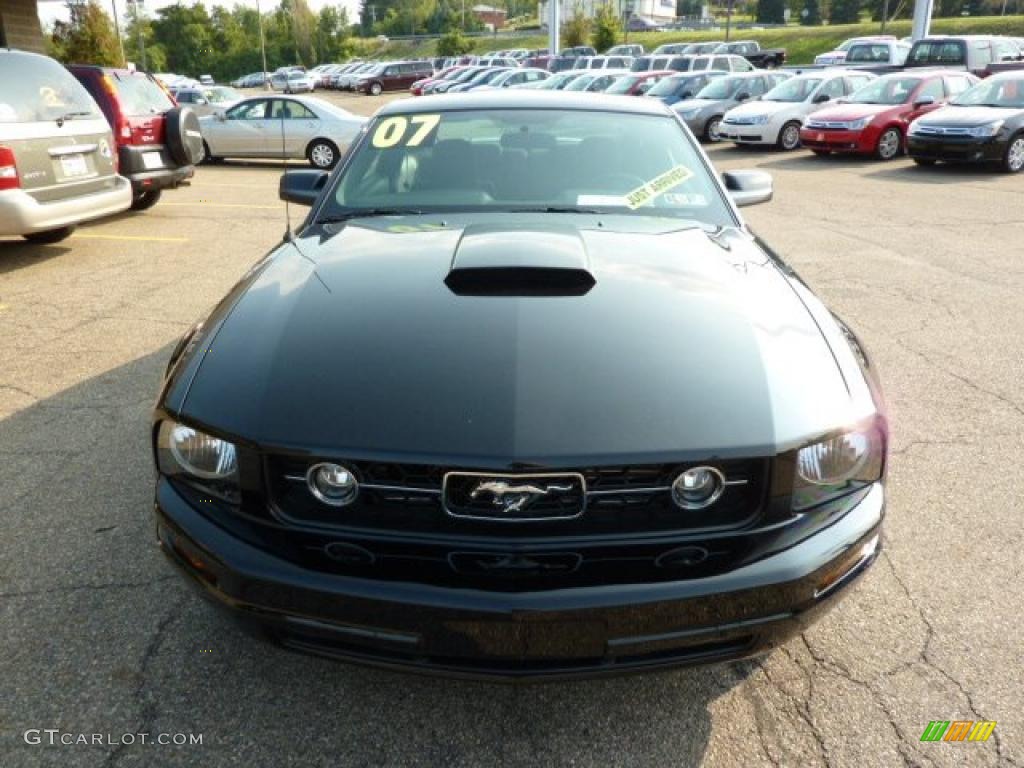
[87,587]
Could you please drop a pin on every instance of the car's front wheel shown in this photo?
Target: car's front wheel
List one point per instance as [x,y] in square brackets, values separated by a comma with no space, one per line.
[789,136]
[322,154]
[50,235]
[375,89]
[889,144]
[1013,160]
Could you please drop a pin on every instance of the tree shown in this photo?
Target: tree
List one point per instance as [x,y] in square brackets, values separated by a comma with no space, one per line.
[810,16]
[576,29]
[845,11]
[87,38]
[607,28]
[771,11]
[185,34]
[453,44]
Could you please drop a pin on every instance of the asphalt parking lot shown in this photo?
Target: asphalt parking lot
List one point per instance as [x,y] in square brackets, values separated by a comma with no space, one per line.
[99,636]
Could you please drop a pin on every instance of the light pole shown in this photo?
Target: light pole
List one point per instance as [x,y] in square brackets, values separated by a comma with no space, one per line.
[117,31]
[138,31]
[263,45]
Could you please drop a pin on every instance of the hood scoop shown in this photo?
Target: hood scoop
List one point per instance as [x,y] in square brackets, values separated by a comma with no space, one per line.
[514,261]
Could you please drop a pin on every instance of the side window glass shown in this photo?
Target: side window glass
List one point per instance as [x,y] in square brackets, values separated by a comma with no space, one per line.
[932,90]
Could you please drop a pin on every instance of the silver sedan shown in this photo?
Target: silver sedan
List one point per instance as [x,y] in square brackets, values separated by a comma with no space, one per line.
[281,126]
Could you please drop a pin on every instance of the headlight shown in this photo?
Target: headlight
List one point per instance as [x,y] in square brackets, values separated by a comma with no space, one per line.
[856,125]
[837,466]
[332,484]
[185,450]
[984,131]
[760,120]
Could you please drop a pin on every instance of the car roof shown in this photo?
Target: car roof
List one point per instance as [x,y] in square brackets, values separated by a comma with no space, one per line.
[525,99]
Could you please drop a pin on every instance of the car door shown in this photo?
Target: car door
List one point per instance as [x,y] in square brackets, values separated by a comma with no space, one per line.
[295,125]
[242,132]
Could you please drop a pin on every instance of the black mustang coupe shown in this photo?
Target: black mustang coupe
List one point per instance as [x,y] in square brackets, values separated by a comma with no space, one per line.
[523,397]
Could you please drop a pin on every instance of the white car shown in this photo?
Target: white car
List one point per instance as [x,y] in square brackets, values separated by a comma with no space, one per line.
[838,56]
[776,118]
[293,82]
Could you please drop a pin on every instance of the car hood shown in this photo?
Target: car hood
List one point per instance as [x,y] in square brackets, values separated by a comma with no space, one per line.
[351,342]
[966,117]
[701,104]
[754,108]
[848,112]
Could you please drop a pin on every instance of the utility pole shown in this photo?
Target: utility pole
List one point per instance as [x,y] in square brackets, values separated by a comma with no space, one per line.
[138,31]
[553,22]
[117,31]
[728,18]
[922,18]
[263,46]
[885,14]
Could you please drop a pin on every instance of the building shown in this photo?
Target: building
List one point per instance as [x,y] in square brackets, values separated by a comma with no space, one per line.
[494,18]
[660,11]
[19,25]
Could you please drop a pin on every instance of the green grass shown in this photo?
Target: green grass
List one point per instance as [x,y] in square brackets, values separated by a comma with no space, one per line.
[801,43]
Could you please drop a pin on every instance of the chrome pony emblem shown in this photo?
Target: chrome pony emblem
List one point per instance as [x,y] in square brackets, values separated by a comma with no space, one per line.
[516,497]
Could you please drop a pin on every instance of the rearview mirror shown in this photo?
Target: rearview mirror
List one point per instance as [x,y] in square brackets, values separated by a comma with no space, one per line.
[302,187]
[821,98]
[924,101]
[748,187]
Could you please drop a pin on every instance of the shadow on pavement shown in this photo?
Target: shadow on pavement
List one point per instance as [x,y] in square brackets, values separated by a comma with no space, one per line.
[16,254]
[100,635]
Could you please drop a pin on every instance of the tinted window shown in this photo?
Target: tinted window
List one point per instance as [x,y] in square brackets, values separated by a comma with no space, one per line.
[937,52]
[720,62]
[494,160]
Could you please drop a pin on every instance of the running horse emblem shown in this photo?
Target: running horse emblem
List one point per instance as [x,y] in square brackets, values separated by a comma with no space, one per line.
[515,498]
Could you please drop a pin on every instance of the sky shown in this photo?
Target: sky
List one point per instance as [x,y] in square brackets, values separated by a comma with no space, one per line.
[51,11]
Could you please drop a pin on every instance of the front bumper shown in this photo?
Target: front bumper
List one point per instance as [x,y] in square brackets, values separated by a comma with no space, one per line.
[955,149]
[532,634]
[835,141]
[22,214]
[749,134]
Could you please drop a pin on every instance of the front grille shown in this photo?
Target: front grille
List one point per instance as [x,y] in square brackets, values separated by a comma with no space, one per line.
[618,500]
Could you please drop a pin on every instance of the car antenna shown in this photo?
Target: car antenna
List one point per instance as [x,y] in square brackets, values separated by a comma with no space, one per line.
[288,236]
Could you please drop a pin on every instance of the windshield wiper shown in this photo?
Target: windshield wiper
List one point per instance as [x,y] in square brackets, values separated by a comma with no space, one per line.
[71,115]
[556,209]
[366,213]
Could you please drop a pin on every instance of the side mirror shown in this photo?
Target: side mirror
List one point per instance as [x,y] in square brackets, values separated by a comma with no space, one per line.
[742,96]
[220,116]
[302,187]
[686,95]
[821,98]
[924,101]
[748,187]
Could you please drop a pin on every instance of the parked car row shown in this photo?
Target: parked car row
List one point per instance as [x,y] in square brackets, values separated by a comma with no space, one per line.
[84,142]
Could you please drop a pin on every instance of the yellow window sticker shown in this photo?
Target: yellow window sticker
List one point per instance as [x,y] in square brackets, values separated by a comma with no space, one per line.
[657,186]
[404,131]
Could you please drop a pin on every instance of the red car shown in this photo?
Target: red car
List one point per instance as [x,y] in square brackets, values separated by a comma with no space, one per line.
[874,119]
[637,83]
[416,89]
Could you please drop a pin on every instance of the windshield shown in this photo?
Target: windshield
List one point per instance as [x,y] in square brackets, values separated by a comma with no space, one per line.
[623,84]
[222,94]
[885,91]
[868,52]
[37,89]
[722,88]
[797,89]
[1007,93]
[666,86]
[516,159]
[580,83]
[556,82]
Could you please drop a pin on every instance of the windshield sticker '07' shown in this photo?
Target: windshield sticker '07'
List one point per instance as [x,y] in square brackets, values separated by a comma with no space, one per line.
[657,186]
[395,131]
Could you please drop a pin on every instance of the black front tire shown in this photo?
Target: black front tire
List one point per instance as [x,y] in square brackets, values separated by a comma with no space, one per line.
[789,137]
[142,201]
[50,236]
[1013,158]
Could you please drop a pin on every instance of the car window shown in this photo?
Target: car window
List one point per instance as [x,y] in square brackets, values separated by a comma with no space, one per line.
[1001,92]
[250,110]
[720,62]
[887,90]
[701,62]
[855,82]
[139,94]
[494,160]
[937,52]
[40,89]
[834,88]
